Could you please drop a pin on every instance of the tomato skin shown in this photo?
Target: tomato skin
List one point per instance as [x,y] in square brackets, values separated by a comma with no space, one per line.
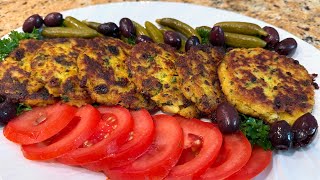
[258,161]
[211,138]
[143,134]
[39,124]
[106,146]
[234,154]
[161,156]
[87,118]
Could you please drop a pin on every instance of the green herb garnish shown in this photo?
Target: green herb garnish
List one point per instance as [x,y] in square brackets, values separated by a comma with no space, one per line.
[204,34]
[65,98]
[150,58]
[22,108]
[7,45]
[95,104]
[256,131]
[131,40]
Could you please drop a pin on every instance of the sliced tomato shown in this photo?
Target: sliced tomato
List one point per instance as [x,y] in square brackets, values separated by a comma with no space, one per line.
[78,130]
[39,124]
[140,139]
[112,132]
[187,155]
[205,139]
[258,161]
[234,154]
[161,156]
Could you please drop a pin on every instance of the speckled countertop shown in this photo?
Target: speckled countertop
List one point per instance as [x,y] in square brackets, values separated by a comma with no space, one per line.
[301,18]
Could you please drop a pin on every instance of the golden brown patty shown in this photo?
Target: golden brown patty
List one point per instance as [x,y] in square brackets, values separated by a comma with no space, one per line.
[55,68]
[153,71]
[198,72]
[103,71]
[15,76]
[264,84]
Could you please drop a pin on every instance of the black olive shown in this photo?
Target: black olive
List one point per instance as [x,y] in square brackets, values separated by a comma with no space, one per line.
[143,38]
[127,28]
[34,21]
[109,29]
[8,110]
[227,118]
[304,130]
[192,41]
[216,36]
[53,19]
[286,47]
[172,38]
[272,38]
[280,135]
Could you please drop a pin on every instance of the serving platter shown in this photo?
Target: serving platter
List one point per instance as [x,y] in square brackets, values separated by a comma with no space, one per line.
[293,164]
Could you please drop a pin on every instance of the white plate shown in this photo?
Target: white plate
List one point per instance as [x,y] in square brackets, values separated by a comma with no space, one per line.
[301,164]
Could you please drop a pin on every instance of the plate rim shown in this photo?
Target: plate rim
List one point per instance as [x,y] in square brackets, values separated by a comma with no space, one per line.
[187,4]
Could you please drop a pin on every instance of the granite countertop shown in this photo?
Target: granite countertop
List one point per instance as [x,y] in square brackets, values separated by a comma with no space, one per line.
[301,18]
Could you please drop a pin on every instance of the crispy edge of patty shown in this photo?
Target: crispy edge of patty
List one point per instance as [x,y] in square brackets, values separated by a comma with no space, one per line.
[266,85]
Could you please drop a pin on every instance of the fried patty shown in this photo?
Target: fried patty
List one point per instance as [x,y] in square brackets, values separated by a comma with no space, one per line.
[198,73]
[153,71]
[103,71]
[15,76]
[266,85]
[54,67]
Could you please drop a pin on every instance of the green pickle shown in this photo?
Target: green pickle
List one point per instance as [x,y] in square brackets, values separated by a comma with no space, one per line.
[92,25]
[155,34]
[242,28]
[64,32]
[140,30]
[72,22]
[243,41]
[179,26]
[165,28]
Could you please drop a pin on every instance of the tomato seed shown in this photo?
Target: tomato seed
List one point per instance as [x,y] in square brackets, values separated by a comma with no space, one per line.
[87,144]
[130,136]
[111,119]
[40,120]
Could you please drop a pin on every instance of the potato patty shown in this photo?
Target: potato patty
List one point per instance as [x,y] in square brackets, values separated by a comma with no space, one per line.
[264,84]
[102,69]
[15,76]
[153,71]
[198,72]
[54,67]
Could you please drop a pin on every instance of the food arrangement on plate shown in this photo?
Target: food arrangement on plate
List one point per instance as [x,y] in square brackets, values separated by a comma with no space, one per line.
[257,99]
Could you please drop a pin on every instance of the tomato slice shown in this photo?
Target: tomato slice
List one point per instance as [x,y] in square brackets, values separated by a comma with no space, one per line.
[39,124]
[112,132]
[140,139]
[78,130]
[234,154]
[161,156]
[258,161]
[195,133]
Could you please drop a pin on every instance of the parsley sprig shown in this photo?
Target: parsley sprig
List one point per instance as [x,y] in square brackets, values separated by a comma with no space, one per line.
[7,45]
[256,131]
[22,108]
[204,34]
